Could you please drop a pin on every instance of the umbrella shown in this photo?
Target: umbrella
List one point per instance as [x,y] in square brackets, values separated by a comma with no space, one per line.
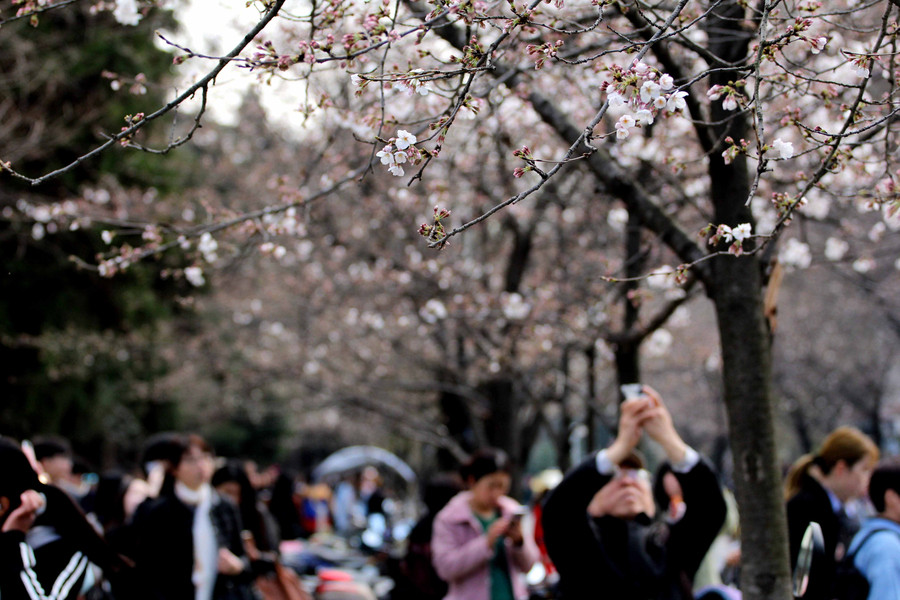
[354,457]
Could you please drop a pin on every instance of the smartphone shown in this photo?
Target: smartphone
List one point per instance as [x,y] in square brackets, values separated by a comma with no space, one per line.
[632,390]
[518,514]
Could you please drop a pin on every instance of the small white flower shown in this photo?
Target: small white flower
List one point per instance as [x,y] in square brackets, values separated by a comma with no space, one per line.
[107,236]
[640,68]
[835,249]
[617,218]
[863,265]
[386,155]
[649,91]
[404,139]
[356,80]
[795,254]
[615,99]
[729,103]
[623,126]
[659,103]
[396,170]
[742,232]
[659,343]
[676,101]
[862,71]
[784,149]
[644,116]
[817,44]
[666,82]
[208,246]
[433,311]
[126,12]
[514,306]
[194,275]
[877,232]
[399,157]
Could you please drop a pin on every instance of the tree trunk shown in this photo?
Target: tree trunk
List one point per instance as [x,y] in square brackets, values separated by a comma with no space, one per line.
[748,399]
[737,291]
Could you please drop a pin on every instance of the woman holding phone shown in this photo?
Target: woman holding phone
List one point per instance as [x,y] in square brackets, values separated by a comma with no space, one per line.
[478,546]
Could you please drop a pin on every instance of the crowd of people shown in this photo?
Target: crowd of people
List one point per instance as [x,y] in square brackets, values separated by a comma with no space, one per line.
[190,526]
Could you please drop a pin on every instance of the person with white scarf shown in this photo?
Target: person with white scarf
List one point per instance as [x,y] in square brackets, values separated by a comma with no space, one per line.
[189,545]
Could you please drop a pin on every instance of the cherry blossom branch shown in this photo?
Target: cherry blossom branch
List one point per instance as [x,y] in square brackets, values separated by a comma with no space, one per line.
[825,165]
[37,11]
[134,127]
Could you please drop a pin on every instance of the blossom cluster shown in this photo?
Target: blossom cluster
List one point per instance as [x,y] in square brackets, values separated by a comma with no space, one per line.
[734,236]
[543,51]
[646,92]
[399,150]
[436,230]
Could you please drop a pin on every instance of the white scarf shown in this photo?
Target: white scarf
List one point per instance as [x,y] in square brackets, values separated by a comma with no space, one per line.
[206,548]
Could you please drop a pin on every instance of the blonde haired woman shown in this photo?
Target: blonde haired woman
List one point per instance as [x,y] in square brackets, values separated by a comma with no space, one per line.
[818,488]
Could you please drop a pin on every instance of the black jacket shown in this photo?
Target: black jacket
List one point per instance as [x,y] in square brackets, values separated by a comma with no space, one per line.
[812,503]
[165,550]
[638,559]
[52,560]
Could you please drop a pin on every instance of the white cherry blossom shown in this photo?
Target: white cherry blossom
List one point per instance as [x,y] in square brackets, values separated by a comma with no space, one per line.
[784,149]
[835,249]
[404,139]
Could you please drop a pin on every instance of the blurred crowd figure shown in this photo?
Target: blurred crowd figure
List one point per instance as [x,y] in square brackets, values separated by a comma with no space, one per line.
[186,525]
[830,487]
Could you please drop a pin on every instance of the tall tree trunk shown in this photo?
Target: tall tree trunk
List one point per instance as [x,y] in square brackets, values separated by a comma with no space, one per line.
[737,291]
[746,359]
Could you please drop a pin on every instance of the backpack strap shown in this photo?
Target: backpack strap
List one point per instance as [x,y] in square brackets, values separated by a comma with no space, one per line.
[851,555]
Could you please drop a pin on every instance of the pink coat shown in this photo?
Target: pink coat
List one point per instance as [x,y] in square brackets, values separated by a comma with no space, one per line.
[460,552]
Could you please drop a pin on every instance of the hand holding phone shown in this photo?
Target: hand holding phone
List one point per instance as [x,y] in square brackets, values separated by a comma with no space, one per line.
[632,390]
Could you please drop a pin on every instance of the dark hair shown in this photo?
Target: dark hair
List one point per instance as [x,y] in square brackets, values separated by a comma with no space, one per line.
[234,471]
[251,517]
[50,446]
[886,476]
[16,473]
[485,462]
[188,441]
[171,448]
[439,490]
[109,499]
[161,447]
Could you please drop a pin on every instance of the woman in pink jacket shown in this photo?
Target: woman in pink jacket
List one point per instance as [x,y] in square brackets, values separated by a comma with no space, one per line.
[477,545]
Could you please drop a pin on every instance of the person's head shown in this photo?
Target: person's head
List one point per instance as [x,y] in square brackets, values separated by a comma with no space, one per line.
[109,499]
[627,494]
[231,480]
[16,476]
[843,464]
[488,475]
[884,489]
[55,456]
[193,467]
[161,449]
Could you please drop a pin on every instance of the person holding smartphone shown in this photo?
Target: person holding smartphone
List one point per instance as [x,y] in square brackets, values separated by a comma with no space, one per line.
[477,543]
[46,543]
[600,523]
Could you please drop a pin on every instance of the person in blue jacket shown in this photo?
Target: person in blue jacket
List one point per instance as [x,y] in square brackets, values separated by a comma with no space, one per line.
[876,547]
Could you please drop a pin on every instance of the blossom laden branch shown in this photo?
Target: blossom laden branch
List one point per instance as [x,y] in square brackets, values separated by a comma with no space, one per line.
[201,84]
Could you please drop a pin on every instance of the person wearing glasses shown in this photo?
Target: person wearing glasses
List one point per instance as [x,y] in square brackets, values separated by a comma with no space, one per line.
[601,526]
[188,540]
